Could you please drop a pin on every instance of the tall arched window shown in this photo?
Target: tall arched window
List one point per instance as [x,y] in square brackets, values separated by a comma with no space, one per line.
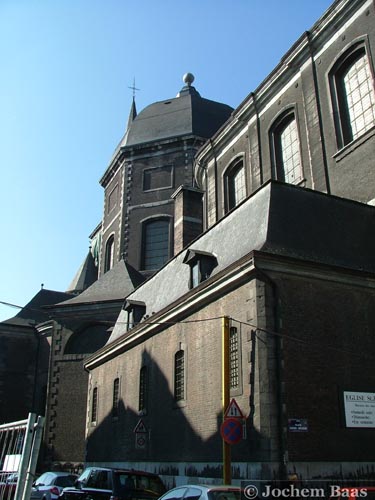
[353,95]
[179,376]
[116,397]
[94,405]
[109,253]
[155,244]
[286,149]
[235,184]
[143,389]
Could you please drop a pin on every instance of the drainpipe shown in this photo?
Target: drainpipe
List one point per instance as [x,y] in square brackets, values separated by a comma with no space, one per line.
[283,453]
[216,190]
[258,138]
[318,105]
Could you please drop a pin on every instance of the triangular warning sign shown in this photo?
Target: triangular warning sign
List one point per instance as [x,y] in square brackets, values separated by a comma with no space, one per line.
[233,410]
[140,428]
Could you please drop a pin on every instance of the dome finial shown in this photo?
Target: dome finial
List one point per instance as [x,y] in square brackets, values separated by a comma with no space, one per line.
[188,79]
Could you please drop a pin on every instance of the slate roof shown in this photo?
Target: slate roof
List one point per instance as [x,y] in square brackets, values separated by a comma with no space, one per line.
[115,284]
[86,275]
[186,114]
[280,219]
[33,312]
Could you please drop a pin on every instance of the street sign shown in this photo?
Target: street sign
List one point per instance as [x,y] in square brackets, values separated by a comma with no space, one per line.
[140,428]
[231,430]
[140,441]
[297,425]
[233,410]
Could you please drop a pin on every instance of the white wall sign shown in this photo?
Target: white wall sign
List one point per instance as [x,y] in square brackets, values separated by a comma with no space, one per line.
[359,409]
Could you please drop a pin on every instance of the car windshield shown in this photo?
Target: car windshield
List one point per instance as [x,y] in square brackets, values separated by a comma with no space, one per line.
[130,481]
[220,494]
[65,481]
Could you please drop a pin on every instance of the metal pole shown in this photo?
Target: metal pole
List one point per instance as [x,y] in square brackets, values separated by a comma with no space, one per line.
[38,432]
[227,469]
[27,444]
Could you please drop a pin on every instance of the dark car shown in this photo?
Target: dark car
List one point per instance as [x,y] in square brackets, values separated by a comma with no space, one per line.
[99,483]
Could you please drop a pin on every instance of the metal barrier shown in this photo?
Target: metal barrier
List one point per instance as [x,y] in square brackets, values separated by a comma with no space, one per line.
[19,449]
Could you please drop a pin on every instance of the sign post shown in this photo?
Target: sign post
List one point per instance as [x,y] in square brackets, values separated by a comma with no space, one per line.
[227,467]
[140,432]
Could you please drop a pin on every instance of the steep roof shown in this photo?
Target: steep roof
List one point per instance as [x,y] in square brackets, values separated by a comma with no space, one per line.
[86,275]
[33,312]
[282,220]
[115,284]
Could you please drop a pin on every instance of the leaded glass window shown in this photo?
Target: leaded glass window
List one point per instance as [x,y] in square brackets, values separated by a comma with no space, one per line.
[179,376]
[155,244]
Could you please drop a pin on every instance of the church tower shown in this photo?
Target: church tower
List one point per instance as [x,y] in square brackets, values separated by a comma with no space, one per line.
[151,210]
[153,160]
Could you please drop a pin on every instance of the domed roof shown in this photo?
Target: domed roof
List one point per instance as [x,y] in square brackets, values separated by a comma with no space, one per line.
[186,114]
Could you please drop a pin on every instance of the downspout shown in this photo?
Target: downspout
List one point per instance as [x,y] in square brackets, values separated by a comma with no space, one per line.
[283,452]
[216,196]
[258,138]
[318,105]
[205,189]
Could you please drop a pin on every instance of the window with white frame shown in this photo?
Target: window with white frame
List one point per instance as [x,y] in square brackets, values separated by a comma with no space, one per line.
[235,184]
[353,95]
[285,145]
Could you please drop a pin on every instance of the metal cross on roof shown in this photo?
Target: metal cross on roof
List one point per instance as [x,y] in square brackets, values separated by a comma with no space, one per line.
[133,88]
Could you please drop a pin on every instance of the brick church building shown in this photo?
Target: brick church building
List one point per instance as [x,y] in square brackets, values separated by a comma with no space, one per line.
[263,215]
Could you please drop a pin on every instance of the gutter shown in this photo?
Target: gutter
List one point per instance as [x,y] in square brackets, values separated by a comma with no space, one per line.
[174,313]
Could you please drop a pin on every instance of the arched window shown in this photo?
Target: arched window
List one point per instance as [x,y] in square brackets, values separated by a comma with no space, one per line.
[353,96]
[94,405]
[179,376]
[234,372]
[143,389]
[109,253]
[285,146]
[116,397]
[155,244]
[235,184]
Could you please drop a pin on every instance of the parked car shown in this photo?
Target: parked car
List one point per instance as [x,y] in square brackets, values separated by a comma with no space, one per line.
[102,483]
[49,485]
[203,492]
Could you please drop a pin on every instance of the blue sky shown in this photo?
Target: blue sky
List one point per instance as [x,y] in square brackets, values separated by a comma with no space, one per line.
[66,66]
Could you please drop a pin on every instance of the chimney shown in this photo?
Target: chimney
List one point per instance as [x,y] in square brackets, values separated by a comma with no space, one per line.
[188,216]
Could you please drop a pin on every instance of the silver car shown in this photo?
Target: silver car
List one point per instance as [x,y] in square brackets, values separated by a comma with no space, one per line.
[203,492]
[50,484]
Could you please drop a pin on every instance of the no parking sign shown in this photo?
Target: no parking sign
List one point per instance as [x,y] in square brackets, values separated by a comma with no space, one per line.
[231,430]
